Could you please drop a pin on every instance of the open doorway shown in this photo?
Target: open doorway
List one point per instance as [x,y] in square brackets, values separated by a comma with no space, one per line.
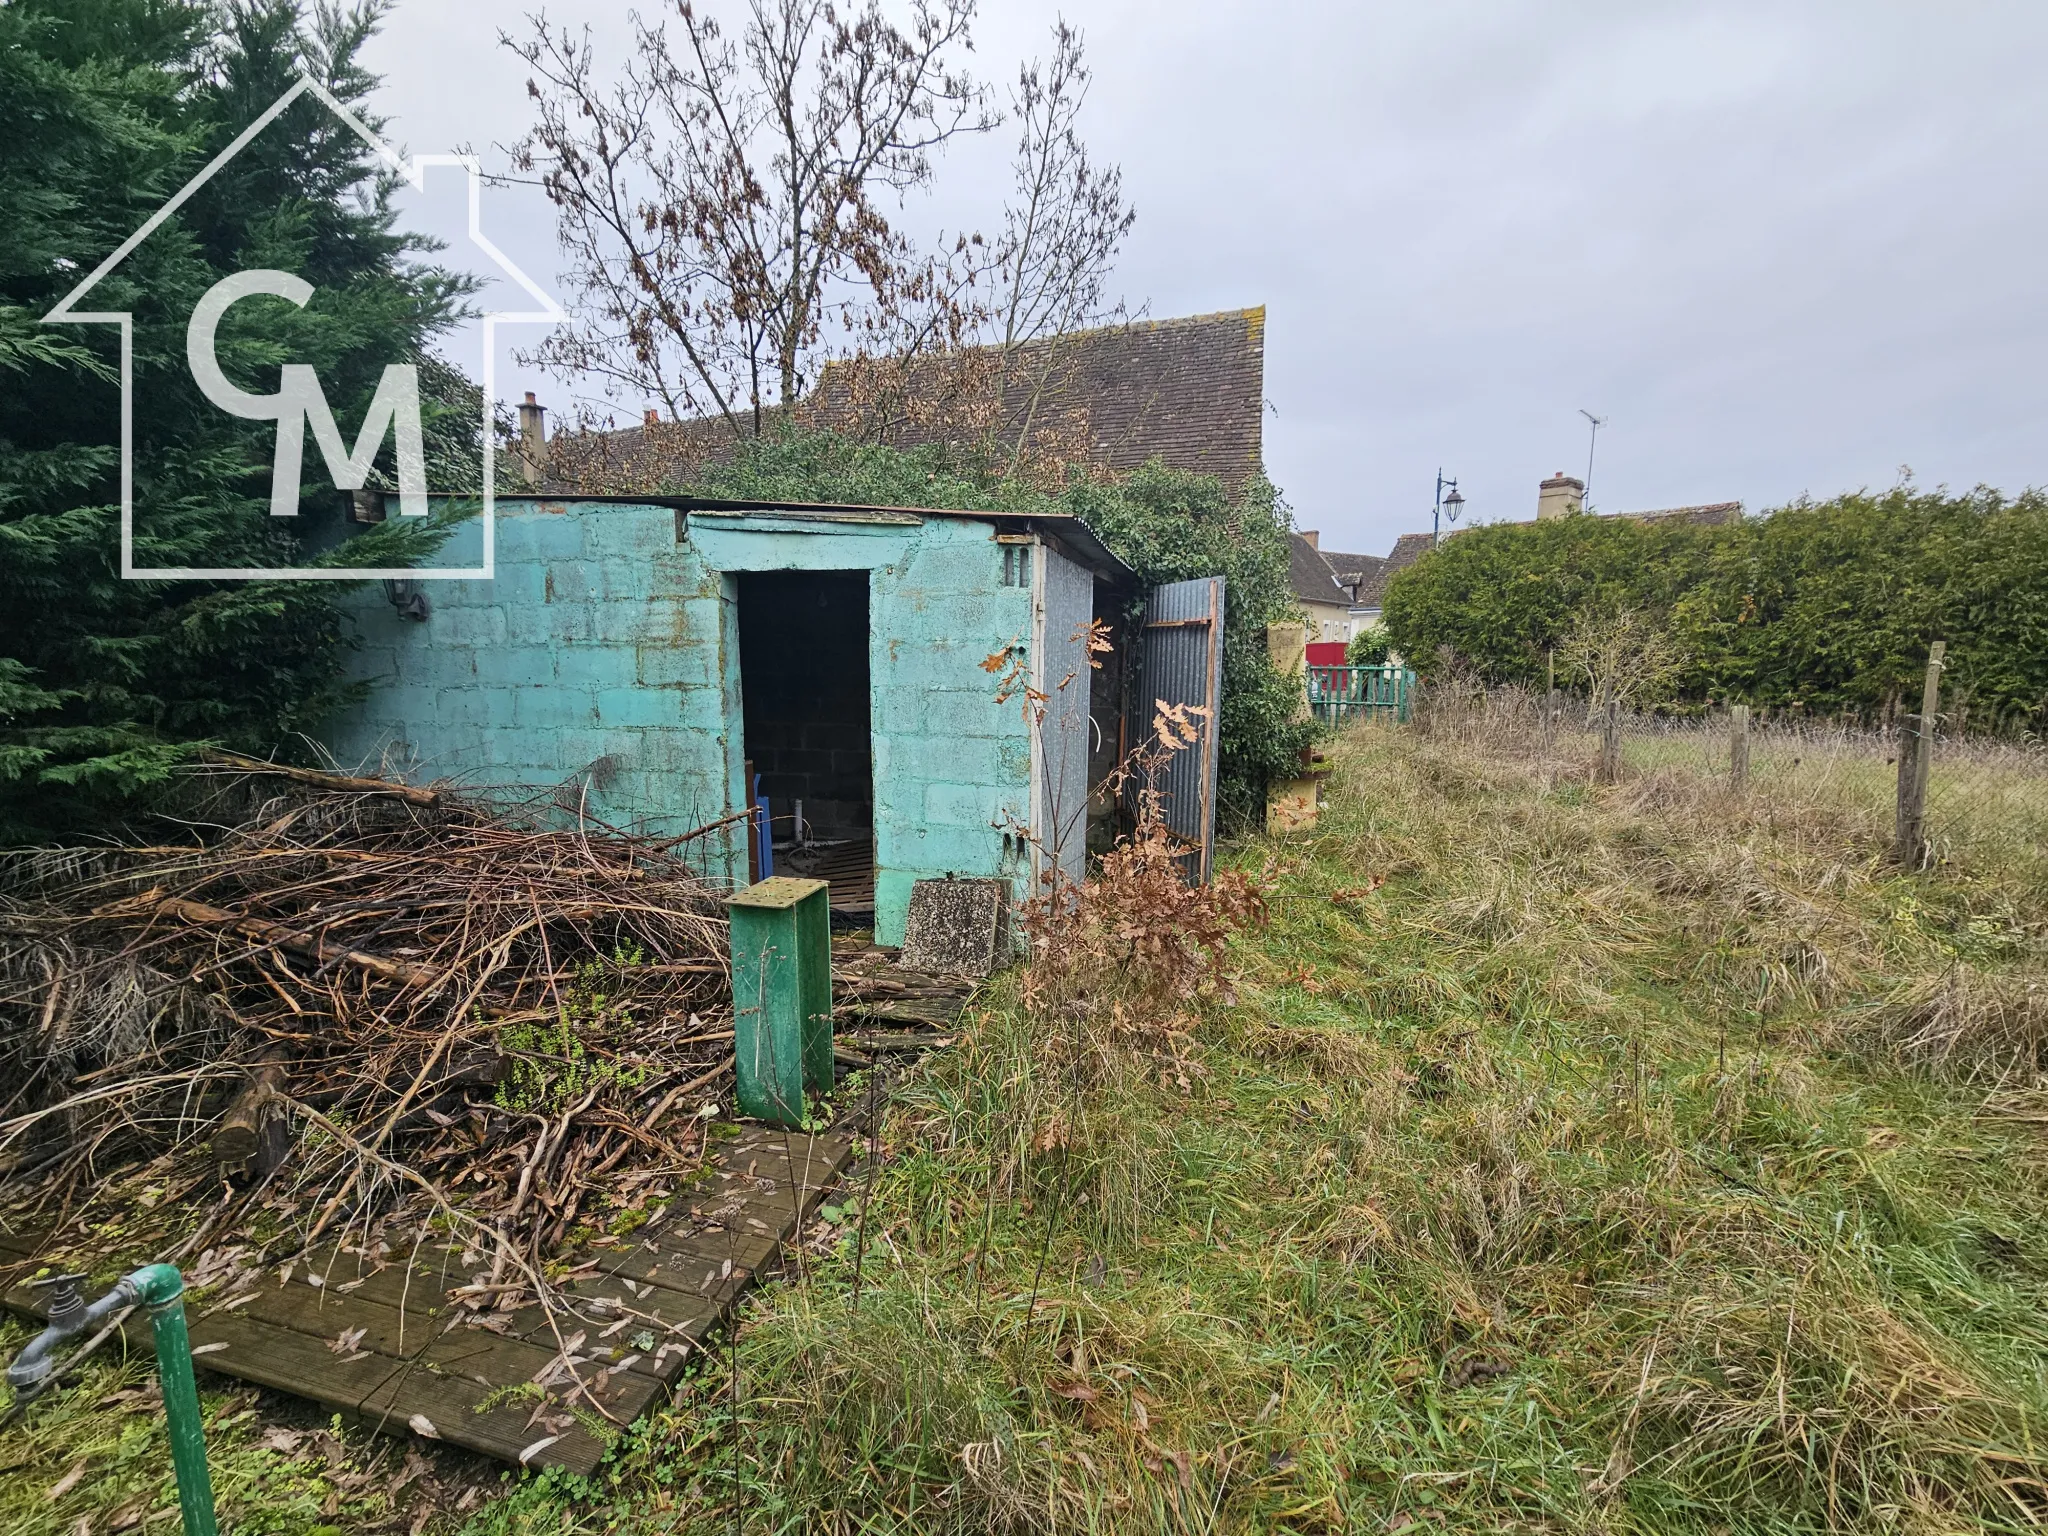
[809,743]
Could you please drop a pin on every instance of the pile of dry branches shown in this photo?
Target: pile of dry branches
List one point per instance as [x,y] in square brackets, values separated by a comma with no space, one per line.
[366,995]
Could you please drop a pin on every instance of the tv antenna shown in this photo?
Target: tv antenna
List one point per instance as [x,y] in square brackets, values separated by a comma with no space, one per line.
[1598,422]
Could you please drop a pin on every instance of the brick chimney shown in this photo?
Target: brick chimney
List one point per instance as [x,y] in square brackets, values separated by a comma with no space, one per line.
[652,418]
[1311,538]
[533,439]
[1560,496]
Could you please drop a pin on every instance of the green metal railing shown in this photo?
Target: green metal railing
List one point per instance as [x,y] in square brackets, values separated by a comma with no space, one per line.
[1339,695]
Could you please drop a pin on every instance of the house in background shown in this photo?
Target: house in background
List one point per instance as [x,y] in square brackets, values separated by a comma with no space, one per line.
[1322,596]
[1365,577]
[1562,495]
[1189,392]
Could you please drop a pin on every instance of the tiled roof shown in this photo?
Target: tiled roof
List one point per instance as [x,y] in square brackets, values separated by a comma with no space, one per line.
[1408,549]
[1356,572]
[657,456]
[1310,573]
[1350,567]
[1707,515]
[1189,391]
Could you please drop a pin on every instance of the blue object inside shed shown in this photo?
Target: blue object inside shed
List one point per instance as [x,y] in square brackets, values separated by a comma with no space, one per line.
[631,655]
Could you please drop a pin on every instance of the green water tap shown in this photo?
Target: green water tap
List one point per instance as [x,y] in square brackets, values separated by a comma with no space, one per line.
[161,1289]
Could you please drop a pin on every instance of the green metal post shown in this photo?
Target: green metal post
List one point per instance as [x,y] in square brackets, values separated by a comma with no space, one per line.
[161,1288]
[781,995]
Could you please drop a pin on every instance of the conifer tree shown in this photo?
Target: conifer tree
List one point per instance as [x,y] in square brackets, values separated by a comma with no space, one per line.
[107,685]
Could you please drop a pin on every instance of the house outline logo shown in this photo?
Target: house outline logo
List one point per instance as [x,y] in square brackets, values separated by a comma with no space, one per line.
[294,405]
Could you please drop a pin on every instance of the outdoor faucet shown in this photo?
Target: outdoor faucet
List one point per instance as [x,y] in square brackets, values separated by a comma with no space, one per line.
[68,1317]
[161,1289]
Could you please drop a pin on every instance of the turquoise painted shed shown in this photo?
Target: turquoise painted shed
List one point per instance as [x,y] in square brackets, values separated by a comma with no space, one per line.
[660,663]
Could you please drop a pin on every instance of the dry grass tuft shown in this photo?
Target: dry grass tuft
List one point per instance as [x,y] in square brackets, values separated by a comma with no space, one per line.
[1968,1024]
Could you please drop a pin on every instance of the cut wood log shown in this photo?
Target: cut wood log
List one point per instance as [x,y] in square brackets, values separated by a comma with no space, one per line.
[253,1129]
[411,794]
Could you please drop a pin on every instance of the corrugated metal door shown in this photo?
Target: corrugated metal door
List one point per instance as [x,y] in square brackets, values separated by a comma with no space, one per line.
[1182,663]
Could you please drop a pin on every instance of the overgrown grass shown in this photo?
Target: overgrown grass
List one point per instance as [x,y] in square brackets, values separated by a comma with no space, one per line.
[1622,1162]
[1587,1174]
[1559,1157]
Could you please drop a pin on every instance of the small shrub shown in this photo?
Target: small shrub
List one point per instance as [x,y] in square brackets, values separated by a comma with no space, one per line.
[1370,647]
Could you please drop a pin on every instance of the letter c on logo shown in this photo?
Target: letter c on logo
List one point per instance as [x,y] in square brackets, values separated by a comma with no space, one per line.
[199,342]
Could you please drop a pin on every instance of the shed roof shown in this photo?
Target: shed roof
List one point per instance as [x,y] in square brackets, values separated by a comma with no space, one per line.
[1067,533]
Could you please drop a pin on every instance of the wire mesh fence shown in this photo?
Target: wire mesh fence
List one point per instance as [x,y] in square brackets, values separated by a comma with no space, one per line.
[1986,799]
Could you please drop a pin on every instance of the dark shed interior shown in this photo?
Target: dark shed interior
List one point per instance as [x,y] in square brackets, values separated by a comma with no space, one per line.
[804,691]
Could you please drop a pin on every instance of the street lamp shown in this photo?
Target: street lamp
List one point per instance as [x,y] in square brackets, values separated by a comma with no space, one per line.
[1450,506]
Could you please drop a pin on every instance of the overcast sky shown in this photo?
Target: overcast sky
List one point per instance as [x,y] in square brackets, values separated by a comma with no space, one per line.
[1784,248]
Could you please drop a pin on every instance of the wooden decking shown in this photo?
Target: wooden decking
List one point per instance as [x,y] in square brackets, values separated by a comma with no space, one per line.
[848,868]
[377,1337]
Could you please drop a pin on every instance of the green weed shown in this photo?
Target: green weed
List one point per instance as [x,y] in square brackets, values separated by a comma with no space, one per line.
[553,1062]
[93,1456]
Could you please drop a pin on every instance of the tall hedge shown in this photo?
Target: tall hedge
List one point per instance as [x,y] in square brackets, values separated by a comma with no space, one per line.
[1165,524]
[1823,607]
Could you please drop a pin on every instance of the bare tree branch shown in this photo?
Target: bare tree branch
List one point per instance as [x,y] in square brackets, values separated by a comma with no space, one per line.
[721,202]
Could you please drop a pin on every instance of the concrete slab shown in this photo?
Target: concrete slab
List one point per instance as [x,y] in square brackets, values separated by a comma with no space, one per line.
[957,927]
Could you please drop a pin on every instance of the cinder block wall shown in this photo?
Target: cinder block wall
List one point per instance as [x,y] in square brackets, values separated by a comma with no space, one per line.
[601,667]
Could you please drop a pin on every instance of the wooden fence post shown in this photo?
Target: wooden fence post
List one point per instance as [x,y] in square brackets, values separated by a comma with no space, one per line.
[1738,748]
[1916,762]
[1610,743]
[1549,695]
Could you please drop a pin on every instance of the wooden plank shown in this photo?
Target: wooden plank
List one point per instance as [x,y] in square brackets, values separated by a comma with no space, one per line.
[409,1368]
[812,1161]
[935,1013]
[678,1315]
[515,1427]
[387,1390]
[682,1262]
[287,1361]
[403,1364]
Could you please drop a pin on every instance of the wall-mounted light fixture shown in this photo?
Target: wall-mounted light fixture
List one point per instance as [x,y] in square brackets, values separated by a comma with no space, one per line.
[408,598]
